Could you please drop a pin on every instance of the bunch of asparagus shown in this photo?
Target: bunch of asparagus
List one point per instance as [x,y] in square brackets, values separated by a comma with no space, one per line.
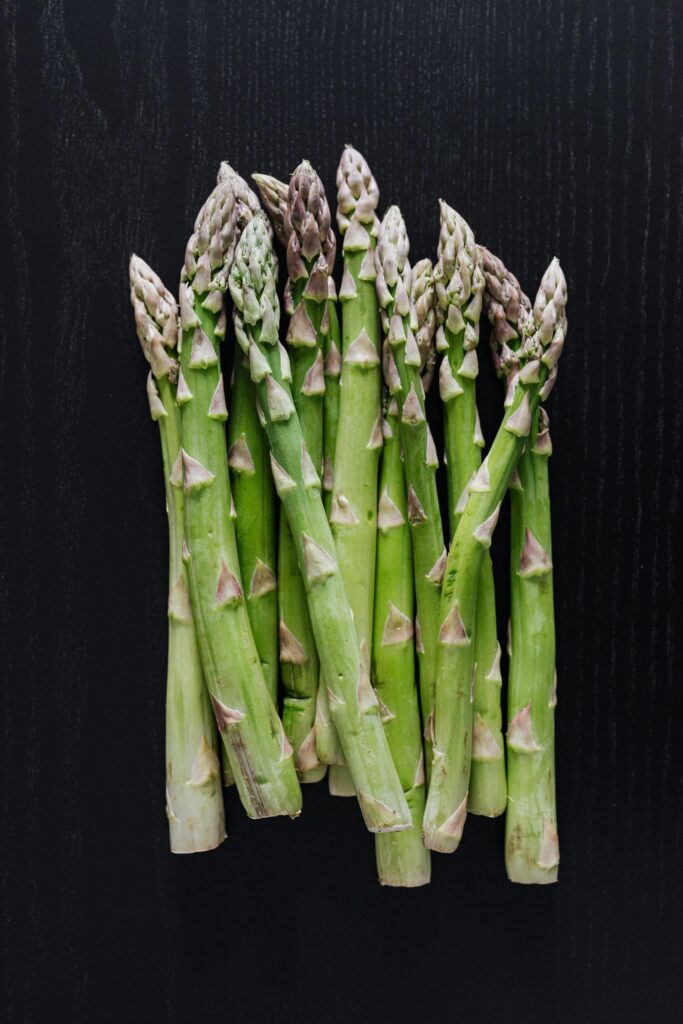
[319,623]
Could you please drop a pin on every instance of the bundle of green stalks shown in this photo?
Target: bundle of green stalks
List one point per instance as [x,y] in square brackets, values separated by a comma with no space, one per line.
[328,615]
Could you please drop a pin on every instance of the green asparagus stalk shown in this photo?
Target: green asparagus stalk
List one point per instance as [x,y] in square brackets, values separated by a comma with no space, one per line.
[326,739]
[253,496]
[353,514]
[259,753]
[274,198]
[332,362]
[359,434]
[402,859]
[537,357]
[253,493]
[460,282]
[531,847]
[310,244]
[194,803]
[353,704]
[403,363]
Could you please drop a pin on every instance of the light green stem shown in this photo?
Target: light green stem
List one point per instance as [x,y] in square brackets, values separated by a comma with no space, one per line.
[300,676]
[353,514]
[332,353]
[259,754]
[402,859]
[425,529]
[463,442]
[327,742]
[359,442]
[194,802]
[531,846]
[447,800]
[253,493]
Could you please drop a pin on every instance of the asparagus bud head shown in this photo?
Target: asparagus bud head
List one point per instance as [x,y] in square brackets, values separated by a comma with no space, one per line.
[357,192]
[459,276]
[394,275]
[219,224]
[253,284]
[423,297]
[273,194]
[156,316]
[307,226]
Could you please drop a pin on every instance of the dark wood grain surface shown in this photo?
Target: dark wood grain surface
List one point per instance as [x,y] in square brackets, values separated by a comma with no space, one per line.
[555,127]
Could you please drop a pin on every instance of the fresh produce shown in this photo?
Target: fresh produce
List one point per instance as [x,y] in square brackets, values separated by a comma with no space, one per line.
[537,357]
[459,286]
[353,507]
[310,245]
[194,802]
[402,372]
[531,842]
[253,495]
[402,859]
[258,750]
[352,700]
[274,195]
[308,563]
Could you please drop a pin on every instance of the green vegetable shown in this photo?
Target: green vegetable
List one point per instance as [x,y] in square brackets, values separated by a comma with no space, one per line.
[254,496]
[353,704]
[310,244]
[537,356]
[194,803]
[460,282]
[402,372]
[353,508]
[258,750]
[531,842]
[402,859]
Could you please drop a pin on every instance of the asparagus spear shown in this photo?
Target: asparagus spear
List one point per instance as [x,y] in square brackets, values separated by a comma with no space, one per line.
[253,493]
[259,753]
[402,859]
[194,803]
[531,847]
[253,496]
[359,433]
[460,282]
[353,703]
[310,243]
[327,743]
[402,373]
[274,196]
[332,362]
[537,355]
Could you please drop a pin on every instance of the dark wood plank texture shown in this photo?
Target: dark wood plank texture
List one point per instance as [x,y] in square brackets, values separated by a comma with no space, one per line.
[555,127]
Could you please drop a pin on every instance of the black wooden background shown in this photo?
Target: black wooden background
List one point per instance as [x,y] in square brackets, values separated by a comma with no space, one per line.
[555,127]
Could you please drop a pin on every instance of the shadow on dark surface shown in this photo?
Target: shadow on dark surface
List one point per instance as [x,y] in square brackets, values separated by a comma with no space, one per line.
[555,129]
